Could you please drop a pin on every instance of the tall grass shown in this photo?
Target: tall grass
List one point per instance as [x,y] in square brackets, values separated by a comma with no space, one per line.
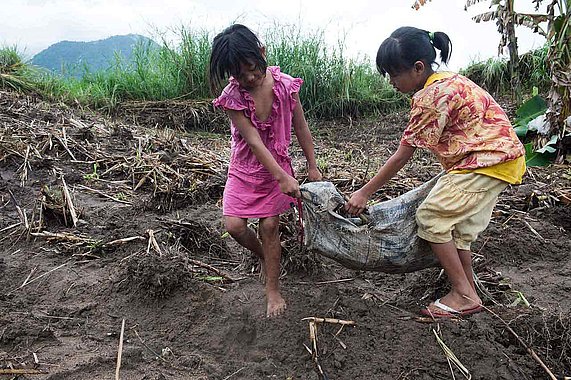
[153,73]
[335,85]
[14,72]
[493,74]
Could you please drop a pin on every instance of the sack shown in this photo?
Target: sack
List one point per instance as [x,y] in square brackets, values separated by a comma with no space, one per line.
[386,243]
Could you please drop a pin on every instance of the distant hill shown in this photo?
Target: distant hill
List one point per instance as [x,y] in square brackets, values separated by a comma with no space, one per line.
[70,58]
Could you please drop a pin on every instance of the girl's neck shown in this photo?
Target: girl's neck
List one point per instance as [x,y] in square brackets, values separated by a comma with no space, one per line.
[424,78]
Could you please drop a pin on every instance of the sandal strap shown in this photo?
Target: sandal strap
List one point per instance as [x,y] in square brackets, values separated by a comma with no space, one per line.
[440,305]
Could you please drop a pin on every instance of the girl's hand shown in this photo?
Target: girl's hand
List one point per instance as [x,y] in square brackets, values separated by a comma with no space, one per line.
[314,175]
[290,186]
[357,203]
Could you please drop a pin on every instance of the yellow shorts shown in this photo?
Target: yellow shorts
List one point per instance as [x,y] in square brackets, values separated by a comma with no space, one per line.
[458,208]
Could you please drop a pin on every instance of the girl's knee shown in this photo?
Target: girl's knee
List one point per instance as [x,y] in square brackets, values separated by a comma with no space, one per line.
[269,227]
[235,227]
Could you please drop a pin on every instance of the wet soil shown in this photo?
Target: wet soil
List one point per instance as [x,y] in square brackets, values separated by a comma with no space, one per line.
[148,249]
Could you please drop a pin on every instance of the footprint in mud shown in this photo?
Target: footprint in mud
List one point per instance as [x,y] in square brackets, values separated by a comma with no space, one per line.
[242,330]
[246,335]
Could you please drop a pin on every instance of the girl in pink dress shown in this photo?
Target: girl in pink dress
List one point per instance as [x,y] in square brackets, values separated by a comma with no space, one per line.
[262,104]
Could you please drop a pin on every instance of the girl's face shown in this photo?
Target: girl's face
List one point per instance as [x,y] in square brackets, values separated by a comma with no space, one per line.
[410,80]
[250,76]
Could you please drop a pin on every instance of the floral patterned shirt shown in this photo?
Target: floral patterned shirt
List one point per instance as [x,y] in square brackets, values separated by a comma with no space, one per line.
[461,123]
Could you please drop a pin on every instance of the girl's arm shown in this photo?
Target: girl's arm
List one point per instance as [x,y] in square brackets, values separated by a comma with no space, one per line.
[305,141]
[358,201]
[288,184]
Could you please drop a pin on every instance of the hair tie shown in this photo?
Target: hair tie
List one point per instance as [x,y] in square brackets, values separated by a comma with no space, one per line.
[431,36]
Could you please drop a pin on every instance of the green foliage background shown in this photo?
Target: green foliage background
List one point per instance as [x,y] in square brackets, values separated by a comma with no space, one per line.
[335,85]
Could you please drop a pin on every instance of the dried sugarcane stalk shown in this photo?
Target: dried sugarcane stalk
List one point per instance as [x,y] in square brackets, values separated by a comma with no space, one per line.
[64,145]
[69,202]
[149,348]
[26,282]
[76,123]
[153,243]
[211,268]
[10,227]
[28,278]
[122,241]
[450,356]
[21,213]
[103,194]
[313,339]
[329,320]
[62,236]
[313,321]
[314,351]
[24,167]
[120,350]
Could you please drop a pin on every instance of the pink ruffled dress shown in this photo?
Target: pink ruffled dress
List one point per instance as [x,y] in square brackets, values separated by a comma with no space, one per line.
[251,191]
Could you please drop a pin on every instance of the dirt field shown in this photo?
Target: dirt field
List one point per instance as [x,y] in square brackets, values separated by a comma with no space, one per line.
[107,221]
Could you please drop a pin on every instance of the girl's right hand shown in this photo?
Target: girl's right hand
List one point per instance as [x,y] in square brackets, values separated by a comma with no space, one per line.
[357,203]
[290,186]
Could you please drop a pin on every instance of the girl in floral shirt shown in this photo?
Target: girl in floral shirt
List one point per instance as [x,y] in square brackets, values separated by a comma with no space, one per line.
[474,141]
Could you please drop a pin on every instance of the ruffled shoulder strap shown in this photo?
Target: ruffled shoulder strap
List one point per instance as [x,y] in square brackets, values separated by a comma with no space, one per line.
[290,84]
[231,98]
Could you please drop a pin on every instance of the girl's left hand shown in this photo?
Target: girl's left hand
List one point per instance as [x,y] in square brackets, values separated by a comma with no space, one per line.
[289,186]
[314,175]
[357,203]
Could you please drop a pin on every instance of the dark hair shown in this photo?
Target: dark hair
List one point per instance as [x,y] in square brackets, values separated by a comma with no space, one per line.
[235,45]
[407,45]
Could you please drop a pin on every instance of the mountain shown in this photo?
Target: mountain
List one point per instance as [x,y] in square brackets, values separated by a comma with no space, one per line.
[71,58]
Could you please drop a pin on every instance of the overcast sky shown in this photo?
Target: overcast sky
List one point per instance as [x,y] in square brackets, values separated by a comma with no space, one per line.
[33,25]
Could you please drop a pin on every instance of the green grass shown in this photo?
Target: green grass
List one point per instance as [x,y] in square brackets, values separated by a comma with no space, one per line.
[14,73]
[334,84]
[493,74]
[154,74]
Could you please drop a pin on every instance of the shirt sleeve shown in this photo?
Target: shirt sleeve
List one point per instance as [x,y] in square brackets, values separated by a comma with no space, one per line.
[429,116]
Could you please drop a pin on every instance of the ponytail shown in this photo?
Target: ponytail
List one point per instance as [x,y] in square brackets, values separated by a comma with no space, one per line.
[441,41]
[407,45]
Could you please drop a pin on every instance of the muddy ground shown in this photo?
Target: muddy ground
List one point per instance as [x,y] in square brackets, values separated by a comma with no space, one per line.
[104,221]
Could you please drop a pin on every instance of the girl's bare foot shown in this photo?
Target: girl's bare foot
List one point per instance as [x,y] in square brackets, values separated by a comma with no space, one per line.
[276,305]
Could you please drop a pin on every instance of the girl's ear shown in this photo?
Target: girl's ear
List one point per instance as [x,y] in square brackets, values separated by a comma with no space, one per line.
[419,66]
[263,51]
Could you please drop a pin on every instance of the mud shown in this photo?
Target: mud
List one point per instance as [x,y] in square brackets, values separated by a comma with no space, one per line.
[157,258]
